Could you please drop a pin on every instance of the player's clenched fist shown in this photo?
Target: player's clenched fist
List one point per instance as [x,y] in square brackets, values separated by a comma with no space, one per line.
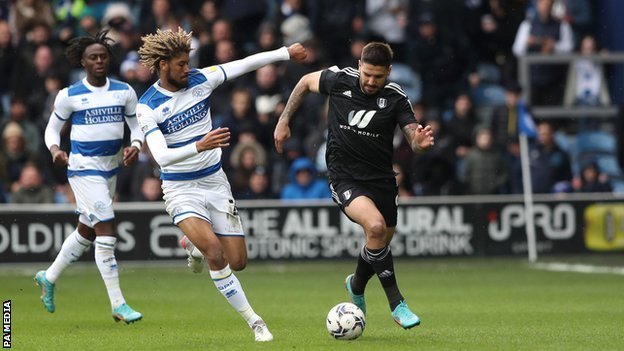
[297,52]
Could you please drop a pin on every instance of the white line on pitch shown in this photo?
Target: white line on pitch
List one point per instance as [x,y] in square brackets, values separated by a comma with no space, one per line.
[578,268]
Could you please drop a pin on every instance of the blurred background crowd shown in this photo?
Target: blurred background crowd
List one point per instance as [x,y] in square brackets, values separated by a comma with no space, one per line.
[456,59]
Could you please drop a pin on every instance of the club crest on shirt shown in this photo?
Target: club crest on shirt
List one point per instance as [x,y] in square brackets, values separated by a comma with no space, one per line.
[346,195]
[382,102]
[118,97]
[198,93]
[99,206]
[176,211]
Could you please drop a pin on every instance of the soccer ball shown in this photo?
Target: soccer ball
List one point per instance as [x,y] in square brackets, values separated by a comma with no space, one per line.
[345,321]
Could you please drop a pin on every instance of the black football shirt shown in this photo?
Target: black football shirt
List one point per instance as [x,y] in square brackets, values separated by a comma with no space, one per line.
[360,126]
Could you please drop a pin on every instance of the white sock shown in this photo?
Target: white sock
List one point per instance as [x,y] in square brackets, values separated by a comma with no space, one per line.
[73,247]
[106,263]
[227,283]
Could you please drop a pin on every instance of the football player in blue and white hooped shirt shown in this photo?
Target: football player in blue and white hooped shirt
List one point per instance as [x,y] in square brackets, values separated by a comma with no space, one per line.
[175,116]
[98,108]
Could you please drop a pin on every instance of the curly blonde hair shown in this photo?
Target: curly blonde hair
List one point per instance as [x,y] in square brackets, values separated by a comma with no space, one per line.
[163,45]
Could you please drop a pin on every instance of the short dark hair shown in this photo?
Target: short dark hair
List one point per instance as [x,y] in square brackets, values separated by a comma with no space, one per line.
[78,45]
[377,54]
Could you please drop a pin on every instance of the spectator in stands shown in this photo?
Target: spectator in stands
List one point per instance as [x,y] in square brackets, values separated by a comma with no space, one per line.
[135,74]
[154,17]
[208,14]
[19,113]
[246,156]
[240,115]
[267,38]
[592,180]
[587,84]
[514,166]
[29,81]
[504,119]
[387,20]
[460,128]
[434,171]
[550,165]
[130,179]
[245,16]
[151,189]
[30,188]
[484,170]
[333,22]
[303,182]
[497,31]
[402,180]
[444,63]
[545,35]
[25,13]
[8,57]
[258,187]
[14,155]
[267,91]
[356,45]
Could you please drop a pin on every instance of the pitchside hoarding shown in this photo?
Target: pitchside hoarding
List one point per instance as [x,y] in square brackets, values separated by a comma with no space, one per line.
[427,227]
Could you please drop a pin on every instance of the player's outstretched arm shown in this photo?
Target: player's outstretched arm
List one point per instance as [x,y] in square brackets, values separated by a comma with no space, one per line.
[420,138]
[307,83]
[250,63]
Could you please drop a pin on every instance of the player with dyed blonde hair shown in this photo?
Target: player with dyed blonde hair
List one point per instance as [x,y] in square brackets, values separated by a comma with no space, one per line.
[174,114]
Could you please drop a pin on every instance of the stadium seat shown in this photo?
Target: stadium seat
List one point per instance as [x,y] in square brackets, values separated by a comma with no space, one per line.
[409,81]
[488,94]
[489,73]
[595,141]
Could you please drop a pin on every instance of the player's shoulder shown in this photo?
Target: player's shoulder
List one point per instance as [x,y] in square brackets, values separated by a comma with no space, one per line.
[394,90]
[77,88]
[345,73]
[198,76]
[115,84]
[153,98]
[341,76]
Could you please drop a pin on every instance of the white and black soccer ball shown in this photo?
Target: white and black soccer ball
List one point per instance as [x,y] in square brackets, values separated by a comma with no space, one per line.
[345,321]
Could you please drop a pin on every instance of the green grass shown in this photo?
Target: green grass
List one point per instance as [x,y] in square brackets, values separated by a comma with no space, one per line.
[465,304]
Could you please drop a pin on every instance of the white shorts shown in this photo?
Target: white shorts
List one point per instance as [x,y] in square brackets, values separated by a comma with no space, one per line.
[209,198]
[94,198]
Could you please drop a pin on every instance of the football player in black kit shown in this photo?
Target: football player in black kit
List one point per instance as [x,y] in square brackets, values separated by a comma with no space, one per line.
[364,109]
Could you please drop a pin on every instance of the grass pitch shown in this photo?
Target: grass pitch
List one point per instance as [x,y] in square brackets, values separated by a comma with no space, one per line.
[464,304]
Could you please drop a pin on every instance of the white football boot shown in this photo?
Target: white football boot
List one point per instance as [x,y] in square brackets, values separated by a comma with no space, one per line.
[195,258]
[261,331]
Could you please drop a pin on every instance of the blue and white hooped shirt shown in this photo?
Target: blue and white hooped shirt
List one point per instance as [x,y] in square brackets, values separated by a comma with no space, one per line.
[183,117]
[98,115]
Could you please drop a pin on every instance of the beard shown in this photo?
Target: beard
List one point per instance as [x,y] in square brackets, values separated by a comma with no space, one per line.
[176,82]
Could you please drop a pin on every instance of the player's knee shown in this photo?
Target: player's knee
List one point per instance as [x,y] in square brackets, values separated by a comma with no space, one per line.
[238,264]
[376,229]
[213,254]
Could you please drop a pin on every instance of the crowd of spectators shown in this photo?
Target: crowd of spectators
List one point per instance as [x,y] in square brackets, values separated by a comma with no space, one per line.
[456,59]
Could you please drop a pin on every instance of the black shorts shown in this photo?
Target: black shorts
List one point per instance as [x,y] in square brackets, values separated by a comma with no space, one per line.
[383,192]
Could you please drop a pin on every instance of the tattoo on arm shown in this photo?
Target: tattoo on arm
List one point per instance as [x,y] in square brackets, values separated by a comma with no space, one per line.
[294,101]
[410,133]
